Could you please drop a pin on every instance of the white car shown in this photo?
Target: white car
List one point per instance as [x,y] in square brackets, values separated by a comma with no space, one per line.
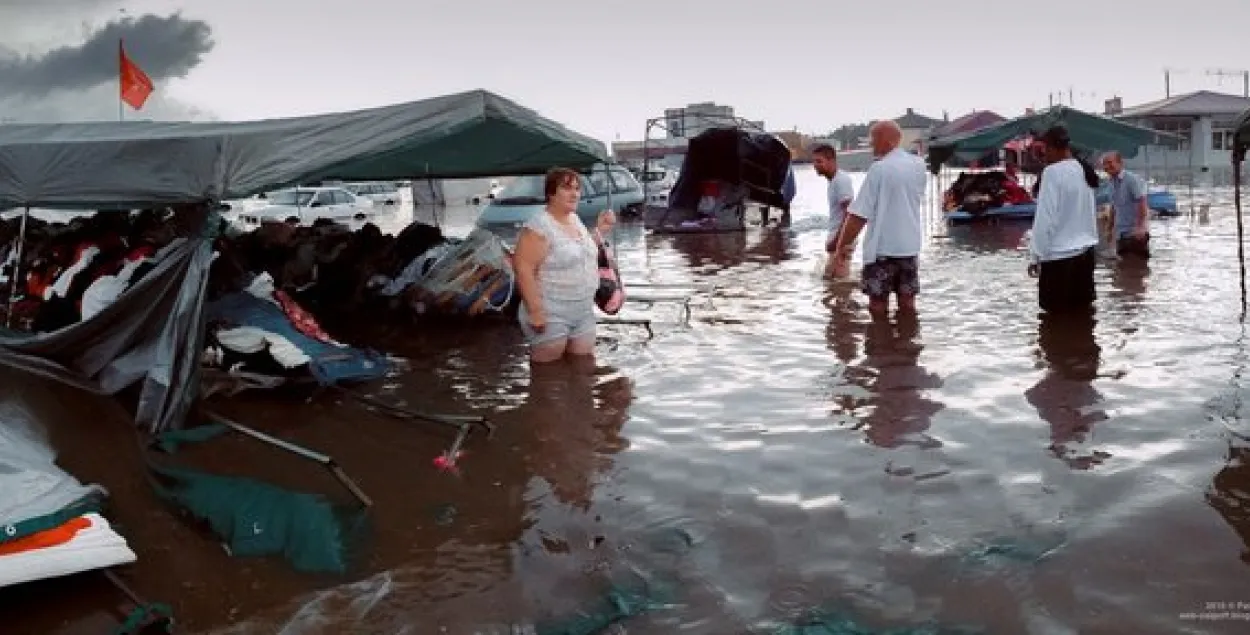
[304,205]
[659,182]
[384,193]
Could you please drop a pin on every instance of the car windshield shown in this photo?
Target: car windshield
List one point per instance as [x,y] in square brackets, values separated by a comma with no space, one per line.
[288,197]
[525,190]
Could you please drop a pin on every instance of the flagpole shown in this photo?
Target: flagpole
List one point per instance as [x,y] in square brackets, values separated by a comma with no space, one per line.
[121,105]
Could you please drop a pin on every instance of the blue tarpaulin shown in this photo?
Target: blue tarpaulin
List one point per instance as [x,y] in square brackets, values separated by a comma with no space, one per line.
[330,364]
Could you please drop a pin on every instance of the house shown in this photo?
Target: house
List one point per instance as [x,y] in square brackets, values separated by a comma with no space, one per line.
[975,120]
[1204,122]
[916,129]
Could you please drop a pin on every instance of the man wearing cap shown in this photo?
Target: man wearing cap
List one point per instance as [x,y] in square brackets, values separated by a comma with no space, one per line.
[1065,229]
[1128,208]
[889,204]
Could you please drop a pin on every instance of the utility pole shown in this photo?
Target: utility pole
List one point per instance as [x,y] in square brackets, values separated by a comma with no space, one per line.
[1244,75]
[1167,80]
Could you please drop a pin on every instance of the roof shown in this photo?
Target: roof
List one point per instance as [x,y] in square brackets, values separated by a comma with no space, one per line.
[912,120]
[1088,131]
[123,165]
[975,120]
[1203,102]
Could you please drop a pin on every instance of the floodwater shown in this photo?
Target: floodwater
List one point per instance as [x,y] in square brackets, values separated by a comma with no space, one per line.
[775,455]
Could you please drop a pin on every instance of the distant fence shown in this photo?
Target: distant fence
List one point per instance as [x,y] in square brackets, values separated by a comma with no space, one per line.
[1184,176]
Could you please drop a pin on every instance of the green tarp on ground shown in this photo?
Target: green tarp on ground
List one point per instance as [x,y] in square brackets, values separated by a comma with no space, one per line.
[1089,133]
[118,165]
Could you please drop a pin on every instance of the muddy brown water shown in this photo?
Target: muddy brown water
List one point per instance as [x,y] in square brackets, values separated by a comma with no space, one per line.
[775,454]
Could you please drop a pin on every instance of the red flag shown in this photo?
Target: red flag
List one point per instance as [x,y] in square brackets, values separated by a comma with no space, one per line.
[136,86]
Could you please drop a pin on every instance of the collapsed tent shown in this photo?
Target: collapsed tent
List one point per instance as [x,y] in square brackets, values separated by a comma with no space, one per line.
[153,332]
[50,525]
[1089,133]
[723,169]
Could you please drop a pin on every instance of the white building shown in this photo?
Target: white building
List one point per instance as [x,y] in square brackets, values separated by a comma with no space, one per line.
[1203,120]
[693,119]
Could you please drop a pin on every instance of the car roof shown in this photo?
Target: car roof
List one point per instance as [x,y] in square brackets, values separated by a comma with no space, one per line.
[315,188]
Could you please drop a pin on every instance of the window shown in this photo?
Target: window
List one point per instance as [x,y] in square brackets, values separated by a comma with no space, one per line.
[324,198]
[1221,139]
[342,198]
[598,181]
[623,182]
[288,197]
[523,190]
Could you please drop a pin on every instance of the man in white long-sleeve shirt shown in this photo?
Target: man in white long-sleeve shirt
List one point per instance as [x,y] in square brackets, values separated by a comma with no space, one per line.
[1065,230]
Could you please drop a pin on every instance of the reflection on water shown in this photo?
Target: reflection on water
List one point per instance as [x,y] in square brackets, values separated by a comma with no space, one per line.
[571,439]
[782,452]
[1230,494]
[1065,397]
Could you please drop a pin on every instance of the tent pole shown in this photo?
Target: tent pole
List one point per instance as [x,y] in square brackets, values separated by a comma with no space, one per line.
[434,212]
[1241,247]
[607,177]
[1191,179]
[17,266]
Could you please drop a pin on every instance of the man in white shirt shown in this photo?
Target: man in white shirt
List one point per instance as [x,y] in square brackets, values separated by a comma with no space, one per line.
[889,204]
[1065,229]
[840,192]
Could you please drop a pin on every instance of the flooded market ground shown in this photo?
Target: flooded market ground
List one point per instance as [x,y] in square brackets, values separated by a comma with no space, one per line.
[775,456]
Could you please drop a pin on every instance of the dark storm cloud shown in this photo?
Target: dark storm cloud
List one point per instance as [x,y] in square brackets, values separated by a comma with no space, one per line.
[163,47]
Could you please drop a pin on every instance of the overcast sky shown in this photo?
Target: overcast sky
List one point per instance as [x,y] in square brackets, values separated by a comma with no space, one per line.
[604,67]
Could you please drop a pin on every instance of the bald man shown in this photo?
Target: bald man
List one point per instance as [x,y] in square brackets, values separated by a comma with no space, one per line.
[889,204]
[1129,208]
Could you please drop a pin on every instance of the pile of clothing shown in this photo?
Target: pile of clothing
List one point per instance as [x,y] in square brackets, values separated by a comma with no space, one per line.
[977,192]
[338,273]
[69,272]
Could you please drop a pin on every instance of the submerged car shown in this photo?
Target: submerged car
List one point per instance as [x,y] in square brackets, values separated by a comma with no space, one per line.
[524,197]
[1158,199]
[304,205]
[381,193]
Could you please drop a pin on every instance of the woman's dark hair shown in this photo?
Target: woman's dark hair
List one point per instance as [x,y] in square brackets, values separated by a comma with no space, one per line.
[557,177]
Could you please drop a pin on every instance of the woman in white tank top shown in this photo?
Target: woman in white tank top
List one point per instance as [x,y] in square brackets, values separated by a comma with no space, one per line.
[557,272]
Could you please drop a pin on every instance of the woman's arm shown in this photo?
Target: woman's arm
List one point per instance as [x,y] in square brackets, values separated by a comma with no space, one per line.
[531,250]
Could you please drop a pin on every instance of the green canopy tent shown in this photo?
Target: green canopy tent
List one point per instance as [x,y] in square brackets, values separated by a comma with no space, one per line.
[1089,133]
[134,164]
[152,333]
